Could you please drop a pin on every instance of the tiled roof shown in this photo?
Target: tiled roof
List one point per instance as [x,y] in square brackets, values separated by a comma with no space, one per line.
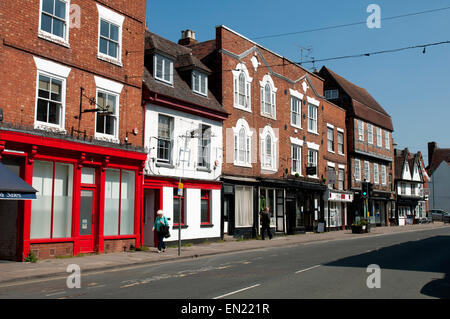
[439,155]
[364,105]
[183,59]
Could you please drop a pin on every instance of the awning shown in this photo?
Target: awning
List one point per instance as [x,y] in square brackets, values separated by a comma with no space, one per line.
[13,187]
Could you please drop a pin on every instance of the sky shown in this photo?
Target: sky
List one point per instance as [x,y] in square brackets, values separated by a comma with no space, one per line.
[413,87]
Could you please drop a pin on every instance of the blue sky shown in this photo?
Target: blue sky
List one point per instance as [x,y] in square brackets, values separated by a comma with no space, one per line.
[413,87]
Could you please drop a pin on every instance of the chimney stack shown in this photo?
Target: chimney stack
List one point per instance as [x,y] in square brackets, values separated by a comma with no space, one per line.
[431,148]
[187,38]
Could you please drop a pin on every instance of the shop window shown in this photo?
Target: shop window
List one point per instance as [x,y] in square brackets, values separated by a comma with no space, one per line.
[119,202]
[177,201]
[243,206]
[51,212]
[205,207]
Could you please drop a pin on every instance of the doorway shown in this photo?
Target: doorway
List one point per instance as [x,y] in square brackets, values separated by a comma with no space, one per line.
[87,220]
[152,203]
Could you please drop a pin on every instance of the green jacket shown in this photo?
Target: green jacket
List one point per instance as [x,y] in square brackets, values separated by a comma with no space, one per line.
[158,224]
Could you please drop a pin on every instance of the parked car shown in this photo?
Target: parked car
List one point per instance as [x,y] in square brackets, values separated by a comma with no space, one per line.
[440,215]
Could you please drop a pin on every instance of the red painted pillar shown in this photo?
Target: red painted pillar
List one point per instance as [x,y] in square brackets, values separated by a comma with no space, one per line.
[26,218]
[76,209]
[101,209]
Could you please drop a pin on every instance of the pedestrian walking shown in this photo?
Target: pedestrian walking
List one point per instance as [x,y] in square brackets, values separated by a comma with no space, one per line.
[161,226]
[265,223]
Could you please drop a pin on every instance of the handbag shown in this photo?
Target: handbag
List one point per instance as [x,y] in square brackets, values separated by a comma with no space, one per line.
[166,231]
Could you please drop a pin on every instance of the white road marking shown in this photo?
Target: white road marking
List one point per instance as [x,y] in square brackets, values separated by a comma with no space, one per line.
[237,291]
[56,293]
[303,270]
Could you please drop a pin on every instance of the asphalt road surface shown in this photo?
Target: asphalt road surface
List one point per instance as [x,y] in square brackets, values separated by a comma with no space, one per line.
[411,265]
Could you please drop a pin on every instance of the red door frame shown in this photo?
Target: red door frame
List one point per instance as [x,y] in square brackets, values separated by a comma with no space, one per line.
[94,225]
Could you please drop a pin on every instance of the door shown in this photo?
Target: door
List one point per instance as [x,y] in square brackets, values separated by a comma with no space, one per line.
[87,220]
[151,206]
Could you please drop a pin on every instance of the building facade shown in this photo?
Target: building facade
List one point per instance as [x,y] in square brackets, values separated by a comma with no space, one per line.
[438,170]
[183,136]
[410,188]
[370,148]
[70,99]
[274,137]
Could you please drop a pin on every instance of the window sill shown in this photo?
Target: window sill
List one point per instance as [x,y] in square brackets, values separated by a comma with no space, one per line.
[203,169]
[333,152]
[109,59]
[51,38]
[166,165]
[312,132]
[296,126]
[206,225]
[49,127]
[249,110]
[182,226]
[107,138]
[268,116]
[341,154]
[269,169]
[243,165]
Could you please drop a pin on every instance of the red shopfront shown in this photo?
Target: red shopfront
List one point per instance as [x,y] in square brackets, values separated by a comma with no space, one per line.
[89,196]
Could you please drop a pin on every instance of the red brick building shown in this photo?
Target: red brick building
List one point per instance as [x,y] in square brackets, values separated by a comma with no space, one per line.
[370,148]
[71,88]
[274,137]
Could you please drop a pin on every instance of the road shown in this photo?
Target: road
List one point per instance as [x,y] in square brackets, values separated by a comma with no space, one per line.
[412,265]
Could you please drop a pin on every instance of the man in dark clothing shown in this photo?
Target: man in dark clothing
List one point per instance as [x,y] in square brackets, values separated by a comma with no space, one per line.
[265,223]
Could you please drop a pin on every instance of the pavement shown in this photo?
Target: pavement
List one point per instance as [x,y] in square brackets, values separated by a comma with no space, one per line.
[13,272]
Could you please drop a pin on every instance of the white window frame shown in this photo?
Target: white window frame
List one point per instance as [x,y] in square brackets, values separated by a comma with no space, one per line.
[360,130]
[241,69]
[57,71]
[50,36]
[269,160]
[112,88]
[164,60]
[330,146]
[387,143]
[267,82]
[379,137]
[313,118]
[367,171]
[376,176]
[242,124]
[112,17]
[296,102]
[357,170]
[296,170]
[383,174]
[201,77]
[315,161]
[331,94]
[369,133]
[340,132]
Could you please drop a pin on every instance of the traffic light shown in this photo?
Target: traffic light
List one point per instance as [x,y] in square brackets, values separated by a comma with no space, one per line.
[364,190]
[369,189]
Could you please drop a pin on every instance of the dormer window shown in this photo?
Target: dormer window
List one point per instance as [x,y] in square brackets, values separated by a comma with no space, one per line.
[163,69]
[199,83]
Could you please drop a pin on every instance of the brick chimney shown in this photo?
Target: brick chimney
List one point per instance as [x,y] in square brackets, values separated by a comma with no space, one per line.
[187,38]
[432,146]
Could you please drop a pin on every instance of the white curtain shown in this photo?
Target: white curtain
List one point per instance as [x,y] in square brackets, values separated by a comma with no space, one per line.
[244,206]
[127,203]
[62,209]
[112,191]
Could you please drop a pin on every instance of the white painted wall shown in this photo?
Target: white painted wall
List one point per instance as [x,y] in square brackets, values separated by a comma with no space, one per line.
[183,122]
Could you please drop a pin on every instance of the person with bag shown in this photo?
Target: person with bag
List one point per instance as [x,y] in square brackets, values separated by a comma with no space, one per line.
[265,223]
[162,229]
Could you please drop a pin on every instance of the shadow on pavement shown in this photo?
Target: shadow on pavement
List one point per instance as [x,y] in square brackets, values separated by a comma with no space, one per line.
[427,255]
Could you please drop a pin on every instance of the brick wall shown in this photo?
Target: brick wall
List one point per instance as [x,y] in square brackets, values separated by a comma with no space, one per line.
[20,42]
[47,251]
[238,45]
[119,245]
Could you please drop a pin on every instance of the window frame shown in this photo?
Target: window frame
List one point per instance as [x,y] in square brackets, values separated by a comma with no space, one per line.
[315,161]
[379,137]
[201,147]
[267,87]
[341,181]
[376,174]
[367,171]
[295,101]
[313,119]
[116,19]
[360,130]
[52,208]
[50,36]
[246,148]
[183,207]
[164,60]
[116,115]
[208,198]
[383,174]
[298,160]
[369,133]
[331,94]
[169,140]
[339,133]
[62,116]
[201,76]
[387,140]
[357,171]
[330,142]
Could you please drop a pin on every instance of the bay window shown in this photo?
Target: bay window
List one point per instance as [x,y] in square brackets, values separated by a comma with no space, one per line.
[51,212]
[119,202]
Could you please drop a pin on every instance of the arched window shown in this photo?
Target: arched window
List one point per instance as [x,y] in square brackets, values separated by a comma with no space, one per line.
[242,82]
[242,143]
[268,97]
[268,149]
